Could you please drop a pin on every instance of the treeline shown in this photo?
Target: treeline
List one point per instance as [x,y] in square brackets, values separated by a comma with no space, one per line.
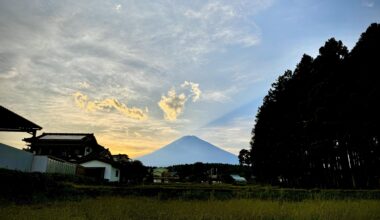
[319,125]
[201,172]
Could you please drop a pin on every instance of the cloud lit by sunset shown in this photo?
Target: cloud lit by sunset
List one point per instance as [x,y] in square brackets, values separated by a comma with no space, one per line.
[139,74]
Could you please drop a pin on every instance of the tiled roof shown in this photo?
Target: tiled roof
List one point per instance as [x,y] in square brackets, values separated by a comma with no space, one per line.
[11,121]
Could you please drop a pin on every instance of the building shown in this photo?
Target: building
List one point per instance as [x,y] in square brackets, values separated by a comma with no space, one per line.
[163,175]
[238,179]
[66,153]
[101,168]
[66,146]
[13,122]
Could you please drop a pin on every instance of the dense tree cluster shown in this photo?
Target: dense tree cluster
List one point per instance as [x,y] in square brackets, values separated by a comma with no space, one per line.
[319,125]
[200,172]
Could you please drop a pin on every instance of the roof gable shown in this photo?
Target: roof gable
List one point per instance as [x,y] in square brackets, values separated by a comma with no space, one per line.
[14,122]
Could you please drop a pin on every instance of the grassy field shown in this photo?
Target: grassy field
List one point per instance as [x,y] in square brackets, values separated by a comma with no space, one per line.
[151,208]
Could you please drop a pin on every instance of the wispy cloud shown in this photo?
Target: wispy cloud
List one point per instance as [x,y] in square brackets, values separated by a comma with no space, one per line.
[232,136]
[84,85]
[107,52]
[118,8]
[83,102]
[368,3]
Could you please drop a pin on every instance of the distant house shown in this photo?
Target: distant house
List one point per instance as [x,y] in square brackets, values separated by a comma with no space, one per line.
[66,146]
[101,168]
[163,175]
[15,159]
[238,179]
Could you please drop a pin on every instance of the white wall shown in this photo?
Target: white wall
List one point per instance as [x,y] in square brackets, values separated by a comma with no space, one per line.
[15,159]
[109,171]
[40,163]
[56,166]
[44,164]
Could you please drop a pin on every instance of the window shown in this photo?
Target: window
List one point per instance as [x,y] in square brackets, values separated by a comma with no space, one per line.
[117,173]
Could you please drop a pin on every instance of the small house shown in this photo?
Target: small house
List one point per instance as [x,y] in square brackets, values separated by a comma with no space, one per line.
[101,168]
[163,175]
[238,179]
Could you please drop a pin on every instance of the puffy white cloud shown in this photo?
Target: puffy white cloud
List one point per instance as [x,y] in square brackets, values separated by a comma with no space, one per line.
[83,102]
[194,88]
[172,104]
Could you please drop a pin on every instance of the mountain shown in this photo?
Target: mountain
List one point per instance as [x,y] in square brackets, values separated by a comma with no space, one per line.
[188,150]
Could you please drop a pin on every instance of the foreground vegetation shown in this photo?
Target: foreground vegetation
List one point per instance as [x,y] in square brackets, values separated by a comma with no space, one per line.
[150,208]
[53,196]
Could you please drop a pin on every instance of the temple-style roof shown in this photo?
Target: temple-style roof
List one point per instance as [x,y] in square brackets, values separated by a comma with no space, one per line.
[57,138]
[11,121]
[65,136]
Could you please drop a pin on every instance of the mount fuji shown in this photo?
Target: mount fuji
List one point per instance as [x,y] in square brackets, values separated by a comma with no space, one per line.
[188,150]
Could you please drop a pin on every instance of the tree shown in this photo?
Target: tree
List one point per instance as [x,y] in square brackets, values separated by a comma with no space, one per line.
[319,125]
[245,157]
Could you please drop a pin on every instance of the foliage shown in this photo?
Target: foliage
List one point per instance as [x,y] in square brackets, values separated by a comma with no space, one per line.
[244,157]
[199,172]
[132,171]
[319,125]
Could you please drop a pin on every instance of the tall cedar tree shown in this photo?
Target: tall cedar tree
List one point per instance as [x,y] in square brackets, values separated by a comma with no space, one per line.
[319,124]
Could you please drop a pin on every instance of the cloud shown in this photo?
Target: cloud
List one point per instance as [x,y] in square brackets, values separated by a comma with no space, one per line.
[80,100]
[9,74]
[84,85]
[368,3]
[118,7]
[83,102]
[172,104]
[194,87]
[132,50]
[232,136]
[216,96]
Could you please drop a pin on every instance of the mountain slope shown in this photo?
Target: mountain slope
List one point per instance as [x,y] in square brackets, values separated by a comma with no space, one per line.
[188,150]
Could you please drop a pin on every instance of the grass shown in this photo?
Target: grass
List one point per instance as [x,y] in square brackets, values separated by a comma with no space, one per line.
[152,208]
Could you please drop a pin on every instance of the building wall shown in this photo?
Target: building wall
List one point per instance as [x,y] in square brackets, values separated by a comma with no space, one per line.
[55,166]
[39,164]
[44,164]
[109,173]
[15,159]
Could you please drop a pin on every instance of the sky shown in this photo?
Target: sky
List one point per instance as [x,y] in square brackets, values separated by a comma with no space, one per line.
[140,74]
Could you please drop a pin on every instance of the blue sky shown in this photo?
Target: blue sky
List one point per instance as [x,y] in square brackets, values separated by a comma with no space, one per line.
[140,74]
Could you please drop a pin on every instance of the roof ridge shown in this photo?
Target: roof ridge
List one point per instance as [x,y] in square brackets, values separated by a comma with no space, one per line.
[53,133]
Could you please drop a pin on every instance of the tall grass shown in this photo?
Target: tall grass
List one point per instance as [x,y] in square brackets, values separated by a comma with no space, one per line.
[151,208]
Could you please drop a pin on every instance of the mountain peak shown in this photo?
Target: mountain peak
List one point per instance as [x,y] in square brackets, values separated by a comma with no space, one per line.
[187,150]
[189,137]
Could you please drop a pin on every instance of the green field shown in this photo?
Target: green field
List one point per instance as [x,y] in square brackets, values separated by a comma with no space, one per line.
[150,208]
[40,196]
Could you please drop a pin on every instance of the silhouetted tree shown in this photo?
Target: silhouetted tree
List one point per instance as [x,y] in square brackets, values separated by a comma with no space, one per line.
[132,171]
[319,124]
[244,157]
